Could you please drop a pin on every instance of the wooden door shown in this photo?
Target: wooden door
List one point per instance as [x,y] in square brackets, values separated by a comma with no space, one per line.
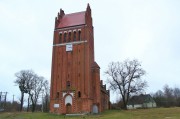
[68,108]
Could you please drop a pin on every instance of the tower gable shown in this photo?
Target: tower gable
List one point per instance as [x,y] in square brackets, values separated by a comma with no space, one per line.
[74,19]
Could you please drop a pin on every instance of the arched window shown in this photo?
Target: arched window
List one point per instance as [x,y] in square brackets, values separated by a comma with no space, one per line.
[68,99]
[79,35]
[74,36]
[65,35]
[60,38]
[69,36]
[68,85]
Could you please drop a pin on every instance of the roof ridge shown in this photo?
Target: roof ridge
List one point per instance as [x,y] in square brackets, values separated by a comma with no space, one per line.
[75,13]
[72,19]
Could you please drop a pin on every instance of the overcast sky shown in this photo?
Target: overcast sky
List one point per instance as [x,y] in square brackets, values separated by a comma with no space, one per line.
[148,30]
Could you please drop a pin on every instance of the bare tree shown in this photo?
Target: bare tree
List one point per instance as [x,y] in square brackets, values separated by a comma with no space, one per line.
[30,83]
[46,96]
[22,79]
[125,77]
[169,97]
[168,93]
[176,93]
[35,87]
[159,98]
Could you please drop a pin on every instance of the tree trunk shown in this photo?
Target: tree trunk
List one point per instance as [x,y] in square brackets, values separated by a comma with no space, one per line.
[124,103]
[22,100]
[46,103]
[33,103]
[33,107]
[28,105]
[125,107]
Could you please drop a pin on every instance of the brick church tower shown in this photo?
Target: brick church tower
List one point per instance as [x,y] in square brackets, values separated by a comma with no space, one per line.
[75,77]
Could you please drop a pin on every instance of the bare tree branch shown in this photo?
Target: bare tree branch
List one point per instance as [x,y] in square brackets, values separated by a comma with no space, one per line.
[125,77]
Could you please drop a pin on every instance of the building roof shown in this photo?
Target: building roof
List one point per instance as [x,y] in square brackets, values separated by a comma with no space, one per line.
[95,65]
[140,99]
[72,19]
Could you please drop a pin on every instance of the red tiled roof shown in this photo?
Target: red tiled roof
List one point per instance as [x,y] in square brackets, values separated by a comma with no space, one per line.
[72,19]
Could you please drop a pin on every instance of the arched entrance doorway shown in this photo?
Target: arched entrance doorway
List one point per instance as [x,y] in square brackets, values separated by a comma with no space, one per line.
[95,109]
[68,108]
[68,103]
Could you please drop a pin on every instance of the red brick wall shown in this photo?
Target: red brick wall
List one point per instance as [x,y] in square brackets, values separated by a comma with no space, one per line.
[77,67]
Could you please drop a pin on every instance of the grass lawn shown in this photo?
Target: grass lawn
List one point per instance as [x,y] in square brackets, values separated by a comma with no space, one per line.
[156,113]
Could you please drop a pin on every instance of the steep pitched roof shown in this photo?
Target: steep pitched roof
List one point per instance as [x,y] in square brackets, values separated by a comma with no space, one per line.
[95,65]
[141,99]
[72,19]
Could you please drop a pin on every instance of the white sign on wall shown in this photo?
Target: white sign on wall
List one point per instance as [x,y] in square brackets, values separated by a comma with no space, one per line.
[56,105]
[69,47]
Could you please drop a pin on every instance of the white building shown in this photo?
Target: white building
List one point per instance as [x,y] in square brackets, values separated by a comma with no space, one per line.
[141,101]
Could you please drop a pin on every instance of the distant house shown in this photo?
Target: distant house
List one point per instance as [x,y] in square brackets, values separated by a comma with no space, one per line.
[141,101]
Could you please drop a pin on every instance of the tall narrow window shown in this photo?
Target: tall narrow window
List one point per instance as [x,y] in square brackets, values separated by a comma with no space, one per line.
[79,94]
[68,85]
[57,95]
[60,38]
[74,36]
[65,35]
[69,36]
[79,35]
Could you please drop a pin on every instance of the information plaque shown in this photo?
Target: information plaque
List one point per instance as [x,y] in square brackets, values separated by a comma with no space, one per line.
[69,47]
[56,105]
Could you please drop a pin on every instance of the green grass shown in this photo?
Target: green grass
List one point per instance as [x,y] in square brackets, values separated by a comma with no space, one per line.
[156,113]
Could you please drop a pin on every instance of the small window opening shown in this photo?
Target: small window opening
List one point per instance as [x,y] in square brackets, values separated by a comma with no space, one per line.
[79,35]
[65,35]
[57,95]
[60,38]
[69,36]
[68,84]
[79,94]
[74,35]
